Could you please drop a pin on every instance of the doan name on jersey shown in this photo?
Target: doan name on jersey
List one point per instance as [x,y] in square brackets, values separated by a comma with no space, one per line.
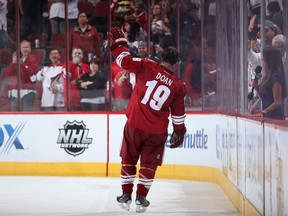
[164,79]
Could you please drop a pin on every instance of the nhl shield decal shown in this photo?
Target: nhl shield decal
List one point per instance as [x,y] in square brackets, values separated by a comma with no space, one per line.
[73,138]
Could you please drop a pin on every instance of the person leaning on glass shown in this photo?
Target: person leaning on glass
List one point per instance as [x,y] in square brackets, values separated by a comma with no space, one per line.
[272,88]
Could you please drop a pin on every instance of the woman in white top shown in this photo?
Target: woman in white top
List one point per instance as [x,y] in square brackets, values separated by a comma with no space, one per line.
[57,15]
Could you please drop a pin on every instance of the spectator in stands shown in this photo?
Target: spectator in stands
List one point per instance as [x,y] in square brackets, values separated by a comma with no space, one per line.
[157,53]
[123,9]
[279,42]
[193,81]
[11,14]
[272,88]
[133,33]
[28,88]
[255,7]
[31,17]
[72,13]
[52,83]
[57,15]
[140,15]
[92,87]
[86,37]
[195,86]
[142,51]
[191,25]
[271,30]
[254,56]
[160,31]
[3,24]
[76,69]
[275,14]
[122,88]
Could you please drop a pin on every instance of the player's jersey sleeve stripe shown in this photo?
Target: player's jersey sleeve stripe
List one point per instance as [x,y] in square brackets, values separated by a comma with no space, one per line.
[120,57]
[178,119]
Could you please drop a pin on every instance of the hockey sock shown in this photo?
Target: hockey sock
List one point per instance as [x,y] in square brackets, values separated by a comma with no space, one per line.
[146,177]
[128,173]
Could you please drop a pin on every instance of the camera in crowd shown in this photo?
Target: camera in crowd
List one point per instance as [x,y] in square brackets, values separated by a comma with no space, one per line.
[253,34]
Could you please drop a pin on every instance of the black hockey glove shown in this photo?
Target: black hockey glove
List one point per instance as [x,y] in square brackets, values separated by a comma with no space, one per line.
[177,138]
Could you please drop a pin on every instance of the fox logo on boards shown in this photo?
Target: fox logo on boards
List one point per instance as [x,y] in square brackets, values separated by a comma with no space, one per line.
[74,138]
[6,144]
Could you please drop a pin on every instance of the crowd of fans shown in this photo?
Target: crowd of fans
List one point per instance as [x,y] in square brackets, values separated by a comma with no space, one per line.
[44,84]
[47,79]
[271,88]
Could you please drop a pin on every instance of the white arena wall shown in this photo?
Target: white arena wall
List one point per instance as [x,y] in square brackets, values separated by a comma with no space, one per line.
[246,157]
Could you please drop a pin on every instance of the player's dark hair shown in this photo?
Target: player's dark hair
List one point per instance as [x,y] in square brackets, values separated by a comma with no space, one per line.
[170,55]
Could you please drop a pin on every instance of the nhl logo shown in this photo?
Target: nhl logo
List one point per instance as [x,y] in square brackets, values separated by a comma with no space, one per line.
[73,138]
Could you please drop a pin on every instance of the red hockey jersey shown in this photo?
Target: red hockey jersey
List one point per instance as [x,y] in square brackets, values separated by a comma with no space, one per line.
[158,91]
[75,72]
[120,92]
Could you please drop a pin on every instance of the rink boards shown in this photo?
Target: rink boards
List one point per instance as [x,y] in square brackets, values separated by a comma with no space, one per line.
[244,156]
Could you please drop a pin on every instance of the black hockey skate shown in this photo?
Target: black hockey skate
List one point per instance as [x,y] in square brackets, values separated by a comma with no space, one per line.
[124,201]
[141,204]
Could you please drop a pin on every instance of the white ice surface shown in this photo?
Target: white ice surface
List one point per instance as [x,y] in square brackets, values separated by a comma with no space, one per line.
[83,196]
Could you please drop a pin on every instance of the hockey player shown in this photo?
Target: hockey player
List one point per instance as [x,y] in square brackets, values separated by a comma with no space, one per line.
[157,92]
